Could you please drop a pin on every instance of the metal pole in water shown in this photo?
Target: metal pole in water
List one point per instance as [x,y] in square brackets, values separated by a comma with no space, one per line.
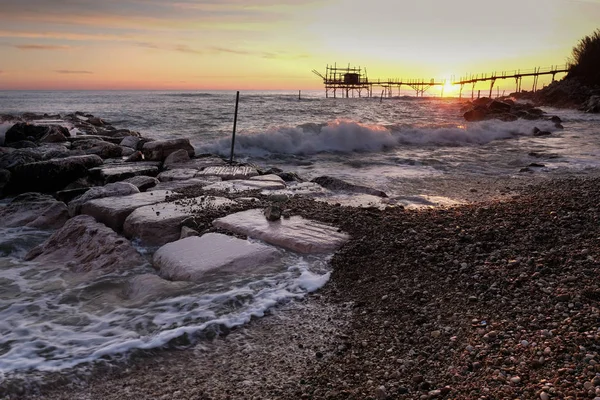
[237,101]
[299,94]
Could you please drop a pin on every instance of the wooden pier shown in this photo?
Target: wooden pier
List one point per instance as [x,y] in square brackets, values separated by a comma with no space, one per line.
[353,81]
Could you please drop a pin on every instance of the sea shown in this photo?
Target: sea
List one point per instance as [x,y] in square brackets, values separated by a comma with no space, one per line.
[52,321]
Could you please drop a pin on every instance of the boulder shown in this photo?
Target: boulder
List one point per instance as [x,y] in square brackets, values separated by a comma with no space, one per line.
[121,133]
[26,131]
[111,173]
[144,288]
[4,178]
[296,233]
[112,211]
[499,107]
[186,232]
[84,245]
[131,142]
[178,174]
[159,150]
[592,105]
[197,259]
[91,139]
[476,114]
[22,144]
[51,175]
[160,223]
[10,160]
[111,190]
[229,172]
[198,163]
[268,178]
[34,210]
[54,136]
[142,182]
[336,184]
[106,150]
[178,156]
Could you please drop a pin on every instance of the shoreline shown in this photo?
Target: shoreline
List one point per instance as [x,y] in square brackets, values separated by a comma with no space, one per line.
[500,302]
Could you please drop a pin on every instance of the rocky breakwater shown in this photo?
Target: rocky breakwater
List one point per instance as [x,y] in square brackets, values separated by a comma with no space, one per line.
[566,93]
[202,219]
[504,109]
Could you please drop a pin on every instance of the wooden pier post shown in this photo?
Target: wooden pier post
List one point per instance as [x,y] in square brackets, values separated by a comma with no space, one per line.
[237,101]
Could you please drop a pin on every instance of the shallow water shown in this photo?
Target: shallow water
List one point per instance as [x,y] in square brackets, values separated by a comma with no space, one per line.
[51,319]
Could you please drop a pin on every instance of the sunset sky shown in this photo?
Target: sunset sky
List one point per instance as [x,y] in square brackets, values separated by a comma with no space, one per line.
[268,44]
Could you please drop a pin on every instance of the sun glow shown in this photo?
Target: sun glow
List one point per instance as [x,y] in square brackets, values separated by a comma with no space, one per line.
[448,89]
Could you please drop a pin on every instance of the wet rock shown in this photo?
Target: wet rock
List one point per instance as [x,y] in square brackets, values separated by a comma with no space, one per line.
[111,190]
[84,245]
[4,178]
[229,172]
[26,131]
[197,259]
[112,211]
[22,144]
[12,159]
[135,157]
[34,210]
[336,184]
[132,142]
[188,232]
[178,174]
[592,105]
[142,182]
[537,132]
[296,233]
[160,223]
[54,136]
[176,157]
[476,114]
[159,150]
[111,173]
[178,186]
[51,175]
[197,163]
[269,178]
[272,213]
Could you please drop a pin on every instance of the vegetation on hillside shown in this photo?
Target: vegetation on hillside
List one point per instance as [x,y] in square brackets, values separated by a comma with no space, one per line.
[584,62]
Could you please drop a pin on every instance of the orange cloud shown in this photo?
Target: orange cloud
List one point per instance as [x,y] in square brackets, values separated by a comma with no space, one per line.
[41,47]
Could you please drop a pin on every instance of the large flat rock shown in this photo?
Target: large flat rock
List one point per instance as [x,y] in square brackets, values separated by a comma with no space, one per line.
[296,233]
[34,210]
[111,173]
[179,174]
[195,163]
[112,211]
[111,190]
[160,223]
[145,288]
[237,186]
[177,186]
[229,172]
[200,258]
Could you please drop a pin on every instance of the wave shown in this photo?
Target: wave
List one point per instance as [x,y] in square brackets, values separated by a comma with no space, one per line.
[347,137]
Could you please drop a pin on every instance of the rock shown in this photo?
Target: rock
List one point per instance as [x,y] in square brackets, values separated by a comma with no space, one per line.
[273,213]
[269,178]
[592,105]
[142,182]
[26,131]
[159,150]
[178,186]
[229,172]
[498,106]
[177,175]
[54,136]
[34,210]
[121,134]
[96,121]
[476,114]
[99,192]
[69,194]
[296,233]
[84,245]
[160,223]
[537,132]
[544,396]
[111,173]
[22,144]
[238,186]
[515,379]
[106,150]
[336,184]
[12,159]
[51,175]
[381,393]
[4,178]
[135,157]
[178,156]
[188,232]
[198,163]
[92,139]
[131,142]
[112,211]
[197,259]
[148,287]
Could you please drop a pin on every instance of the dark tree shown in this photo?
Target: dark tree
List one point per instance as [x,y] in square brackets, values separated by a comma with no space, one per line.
[584,62]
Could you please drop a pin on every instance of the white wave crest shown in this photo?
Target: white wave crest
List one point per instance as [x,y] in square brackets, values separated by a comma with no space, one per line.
[348,137]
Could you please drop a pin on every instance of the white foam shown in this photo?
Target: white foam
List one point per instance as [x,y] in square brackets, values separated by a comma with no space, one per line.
[50,329]
[346,137]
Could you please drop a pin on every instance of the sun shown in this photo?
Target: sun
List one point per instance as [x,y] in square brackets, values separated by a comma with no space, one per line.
[448,89]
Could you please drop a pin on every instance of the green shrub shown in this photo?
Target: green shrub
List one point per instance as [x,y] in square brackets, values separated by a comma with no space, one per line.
[584,62]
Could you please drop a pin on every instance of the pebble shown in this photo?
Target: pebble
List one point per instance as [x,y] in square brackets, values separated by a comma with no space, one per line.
[544,396]
[515,379]
[381,393]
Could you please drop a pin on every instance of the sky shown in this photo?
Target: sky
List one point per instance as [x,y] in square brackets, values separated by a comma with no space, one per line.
[274,45]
